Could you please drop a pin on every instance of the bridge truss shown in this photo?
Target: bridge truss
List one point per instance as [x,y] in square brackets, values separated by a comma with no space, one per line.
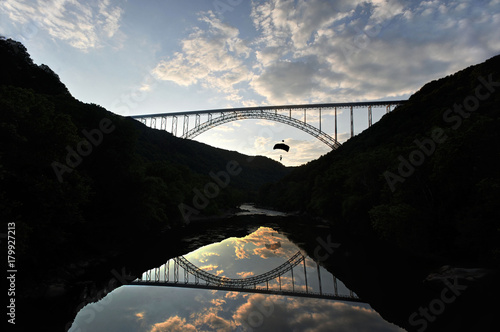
[287,114]
[161,276]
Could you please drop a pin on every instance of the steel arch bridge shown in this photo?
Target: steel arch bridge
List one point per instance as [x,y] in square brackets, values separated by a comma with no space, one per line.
[160,276]
[286,114]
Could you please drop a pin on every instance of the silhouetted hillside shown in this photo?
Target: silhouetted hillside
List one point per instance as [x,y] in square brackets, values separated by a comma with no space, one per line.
[425,177]
[81,182]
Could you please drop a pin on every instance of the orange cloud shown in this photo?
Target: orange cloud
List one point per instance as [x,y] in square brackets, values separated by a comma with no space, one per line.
[232,295]
[217,323]
[240,252]
[209,267]
[217,302]
[173,324]
[245,274]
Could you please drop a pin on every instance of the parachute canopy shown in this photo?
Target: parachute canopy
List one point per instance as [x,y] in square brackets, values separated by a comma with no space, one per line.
[273,246]
[281,146]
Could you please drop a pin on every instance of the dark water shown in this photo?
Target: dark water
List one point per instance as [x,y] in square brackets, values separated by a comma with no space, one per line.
[150,308]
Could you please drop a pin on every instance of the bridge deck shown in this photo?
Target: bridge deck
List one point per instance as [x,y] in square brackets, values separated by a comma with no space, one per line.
[272,108]
[316,295]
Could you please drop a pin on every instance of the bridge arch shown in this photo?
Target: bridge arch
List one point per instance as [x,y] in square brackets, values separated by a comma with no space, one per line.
[241,282]
[217,117]
[225,117]
[248,284]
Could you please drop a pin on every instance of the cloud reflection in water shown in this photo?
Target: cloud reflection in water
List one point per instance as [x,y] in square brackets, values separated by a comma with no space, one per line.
[154,309]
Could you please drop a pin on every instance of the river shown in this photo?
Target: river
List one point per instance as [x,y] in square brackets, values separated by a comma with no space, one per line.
[153,308]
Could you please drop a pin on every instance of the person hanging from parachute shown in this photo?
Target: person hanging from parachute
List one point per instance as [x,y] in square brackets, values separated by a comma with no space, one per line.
[281,146]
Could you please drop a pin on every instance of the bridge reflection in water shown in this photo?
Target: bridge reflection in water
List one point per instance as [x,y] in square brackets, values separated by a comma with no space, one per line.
[213,288]
[169,277]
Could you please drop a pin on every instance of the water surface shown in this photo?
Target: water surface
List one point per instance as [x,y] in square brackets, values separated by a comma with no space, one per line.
[153,308]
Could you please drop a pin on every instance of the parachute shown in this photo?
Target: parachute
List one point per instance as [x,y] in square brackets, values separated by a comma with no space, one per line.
[281,146]
[273,246]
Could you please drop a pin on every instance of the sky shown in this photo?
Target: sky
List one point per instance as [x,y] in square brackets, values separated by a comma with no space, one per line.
[155,309]
[141,57]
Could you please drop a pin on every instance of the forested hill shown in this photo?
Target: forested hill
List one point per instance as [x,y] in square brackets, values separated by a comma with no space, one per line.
[72,173]
[425,177]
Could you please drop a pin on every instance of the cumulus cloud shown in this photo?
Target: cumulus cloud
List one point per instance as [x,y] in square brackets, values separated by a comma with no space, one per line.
[209,267]
[274,313]
[245,274]
[173,324]
[83,25]
[212,57]
[335,51]
[240,252]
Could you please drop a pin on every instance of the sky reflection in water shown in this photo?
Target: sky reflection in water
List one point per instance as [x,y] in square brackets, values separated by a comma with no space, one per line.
[144,308]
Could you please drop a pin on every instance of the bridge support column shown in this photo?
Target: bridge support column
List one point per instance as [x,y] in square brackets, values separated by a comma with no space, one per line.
[176,272]
[153,123]
[320,119]
[157,274]
[387,109]
[336,123]
[167,271]
[352,123]
[197,121]
[335,289]
[369,116]
[185,125]
[174,125]
[305,275]
[319,279]
[293,283]
[163,125]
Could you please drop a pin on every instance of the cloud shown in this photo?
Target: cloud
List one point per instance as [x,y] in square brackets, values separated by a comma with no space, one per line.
[274,313]
[234,295]
[173,324]
[211,57]
[217,302]
[317,51]
[240,252]
[287,82]
[245,274]
[214,322]
[209,267]
[83,25]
